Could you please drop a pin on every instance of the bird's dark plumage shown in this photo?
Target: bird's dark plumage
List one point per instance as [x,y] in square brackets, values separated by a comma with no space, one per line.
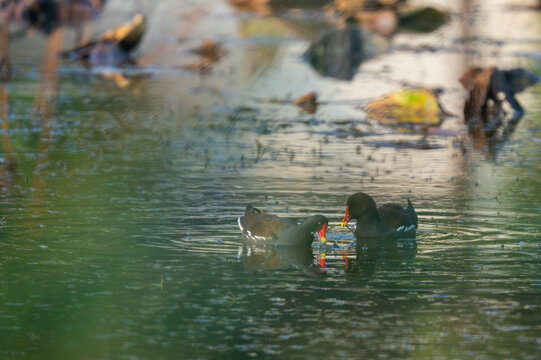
[261,226]
[389,220]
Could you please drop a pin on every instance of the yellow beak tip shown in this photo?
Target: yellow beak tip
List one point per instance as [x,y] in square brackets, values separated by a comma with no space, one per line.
[323,239]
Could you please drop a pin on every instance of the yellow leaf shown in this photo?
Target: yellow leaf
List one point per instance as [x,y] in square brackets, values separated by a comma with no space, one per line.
[410,106]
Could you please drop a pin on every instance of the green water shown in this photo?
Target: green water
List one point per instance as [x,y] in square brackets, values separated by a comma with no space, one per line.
[119,236]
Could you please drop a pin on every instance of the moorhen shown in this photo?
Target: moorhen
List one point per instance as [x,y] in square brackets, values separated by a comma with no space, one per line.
[262,227]
[387,221]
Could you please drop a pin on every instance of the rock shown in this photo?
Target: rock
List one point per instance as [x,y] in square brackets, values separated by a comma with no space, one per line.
[337,53]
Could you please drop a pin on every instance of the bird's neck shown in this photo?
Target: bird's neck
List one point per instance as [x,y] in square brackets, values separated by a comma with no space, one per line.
[369,221]
[306,228]
[369,217]
[369,225]
[306,224]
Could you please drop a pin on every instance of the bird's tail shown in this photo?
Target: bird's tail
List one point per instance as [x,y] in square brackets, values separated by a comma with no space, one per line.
[410,205]
[411,210]
[250,210]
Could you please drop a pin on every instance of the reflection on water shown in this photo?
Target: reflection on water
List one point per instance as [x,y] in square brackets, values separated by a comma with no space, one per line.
[118,233]
[256,258]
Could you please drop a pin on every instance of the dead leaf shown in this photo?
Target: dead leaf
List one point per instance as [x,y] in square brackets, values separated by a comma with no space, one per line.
[410,106]
[307,102]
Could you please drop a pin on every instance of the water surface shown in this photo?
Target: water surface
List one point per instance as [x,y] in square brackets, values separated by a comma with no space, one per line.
[119,238]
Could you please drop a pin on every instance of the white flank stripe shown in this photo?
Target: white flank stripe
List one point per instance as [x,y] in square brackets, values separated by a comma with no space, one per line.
[411,227]
[240,224]
[249,234]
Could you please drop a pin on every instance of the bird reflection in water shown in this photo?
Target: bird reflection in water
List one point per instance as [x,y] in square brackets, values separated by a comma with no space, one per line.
[366,256]
[268,257]
[373,255]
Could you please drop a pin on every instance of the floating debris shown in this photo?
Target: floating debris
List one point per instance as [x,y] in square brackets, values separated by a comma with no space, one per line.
[114,47]
[210,50]
[307,102]
[408,107]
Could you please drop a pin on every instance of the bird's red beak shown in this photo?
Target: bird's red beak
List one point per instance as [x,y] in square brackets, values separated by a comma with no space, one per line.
[323,233]
[346,218]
